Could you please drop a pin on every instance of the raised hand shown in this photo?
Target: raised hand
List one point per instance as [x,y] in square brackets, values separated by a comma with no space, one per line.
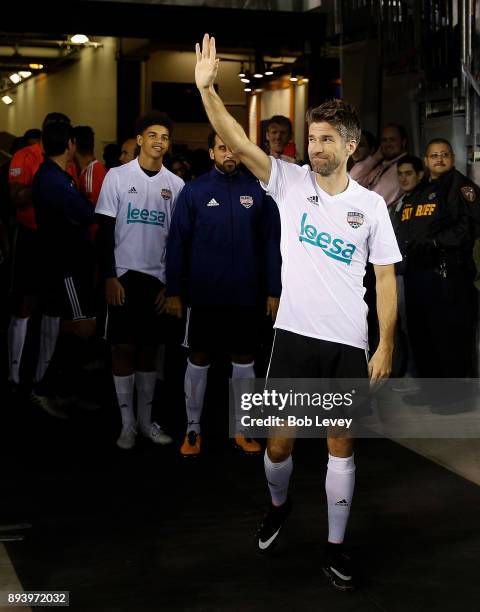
[207,63]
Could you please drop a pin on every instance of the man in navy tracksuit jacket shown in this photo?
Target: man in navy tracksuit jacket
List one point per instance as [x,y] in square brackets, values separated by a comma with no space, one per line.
[63,218]
[225,238]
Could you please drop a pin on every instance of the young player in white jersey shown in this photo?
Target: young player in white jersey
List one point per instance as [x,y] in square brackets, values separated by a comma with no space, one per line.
[330,227]
[135,210]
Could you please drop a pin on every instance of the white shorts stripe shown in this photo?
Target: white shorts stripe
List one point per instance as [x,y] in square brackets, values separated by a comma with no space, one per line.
[185,340]
[73,297]
[270,360]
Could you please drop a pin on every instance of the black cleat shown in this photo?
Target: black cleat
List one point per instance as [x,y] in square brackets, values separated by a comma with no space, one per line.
[272,522]
[338,568]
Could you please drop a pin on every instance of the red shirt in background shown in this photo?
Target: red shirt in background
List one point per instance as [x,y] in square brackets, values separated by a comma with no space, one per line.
[90,184]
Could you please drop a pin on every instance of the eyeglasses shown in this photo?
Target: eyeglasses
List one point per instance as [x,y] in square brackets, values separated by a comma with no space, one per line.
[441,155]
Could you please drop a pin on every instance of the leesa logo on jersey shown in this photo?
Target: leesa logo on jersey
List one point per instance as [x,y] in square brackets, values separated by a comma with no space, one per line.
[143,215]
[332,247]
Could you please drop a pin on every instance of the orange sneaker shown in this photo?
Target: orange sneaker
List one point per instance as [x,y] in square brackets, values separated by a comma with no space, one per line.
[248,446]
[191,445]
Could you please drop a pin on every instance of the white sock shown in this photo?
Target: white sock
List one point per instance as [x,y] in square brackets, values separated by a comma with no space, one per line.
[339,485]
[145,382]
[245,373]
[195,385]
[160,362]
[49,329]
[17,332]
[278,478]
[124,387]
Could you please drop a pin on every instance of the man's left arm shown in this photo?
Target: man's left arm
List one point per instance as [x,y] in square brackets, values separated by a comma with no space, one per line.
[380,365]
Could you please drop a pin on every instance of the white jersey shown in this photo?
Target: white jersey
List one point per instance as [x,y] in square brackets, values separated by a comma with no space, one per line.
[143,208]
[325,244]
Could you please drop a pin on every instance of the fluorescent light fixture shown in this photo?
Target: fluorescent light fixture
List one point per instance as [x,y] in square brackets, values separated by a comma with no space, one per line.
[35,66]
[79,39]
[7,100]
[24,73]
[15,78]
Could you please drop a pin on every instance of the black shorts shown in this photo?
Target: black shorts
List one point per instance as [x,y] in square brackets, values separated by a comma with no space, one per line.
[70,298]
[296,356]
[230,329]
[306,365]
[136,322]
[25,262]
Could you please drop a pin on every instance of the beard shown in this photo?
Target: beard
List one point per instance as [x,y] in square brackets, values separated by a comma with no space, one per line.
[325,166]
[229,167]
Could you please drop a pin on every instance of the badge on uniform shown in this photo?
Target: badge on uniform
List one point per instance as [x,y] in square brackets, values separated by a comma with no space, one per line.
[468,193]
[355,219]
[166,194]
[432,196]
[246,201]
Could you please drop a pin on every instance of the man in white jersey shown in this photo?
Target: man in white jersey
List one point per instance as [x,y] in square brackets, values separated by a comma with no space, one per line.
[330,227]
[135,210]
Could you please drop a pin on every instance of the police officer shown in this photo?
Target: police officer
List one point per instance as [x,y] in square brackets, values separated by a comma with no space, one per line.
[225,236]
[437,230]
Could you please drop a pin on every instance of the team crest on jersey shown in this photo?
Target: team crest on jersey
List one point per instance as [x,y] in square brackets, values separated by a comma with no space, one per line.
[246,201]
[166,194]
[313,200]
[355,219]
[432,196]
[468,193]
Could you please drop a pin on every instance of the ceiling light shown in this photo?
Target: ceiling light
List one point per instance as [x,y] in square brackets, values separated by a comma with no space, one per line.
[24,73]
[268,72]
[293,78]
[15,78]
[241,74]
[247,89]
[79,39]
[7,100]
[245,79]
[258,75]
[35,66]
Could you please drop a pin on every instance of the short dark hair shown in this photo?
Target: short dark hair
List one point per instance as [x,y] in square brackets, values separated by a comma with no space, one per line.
[413,160]
[400,129]
[439,141]
[280,120]
[55,117]
[340,114]
[211,139]
[32,134]
[84,139]
[55,137]
[153,118]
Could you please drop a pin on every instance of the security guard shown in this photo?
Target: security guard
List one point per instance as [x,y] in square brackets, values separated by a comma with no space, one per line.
[437,230]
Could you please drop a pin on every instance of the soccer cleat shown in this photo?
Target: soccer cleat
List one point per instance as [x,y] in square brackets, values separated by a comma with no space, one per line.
[338,569]
[127,439]
[156,434]
[248,446]
[48,404]
[272,522]
[191,445]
